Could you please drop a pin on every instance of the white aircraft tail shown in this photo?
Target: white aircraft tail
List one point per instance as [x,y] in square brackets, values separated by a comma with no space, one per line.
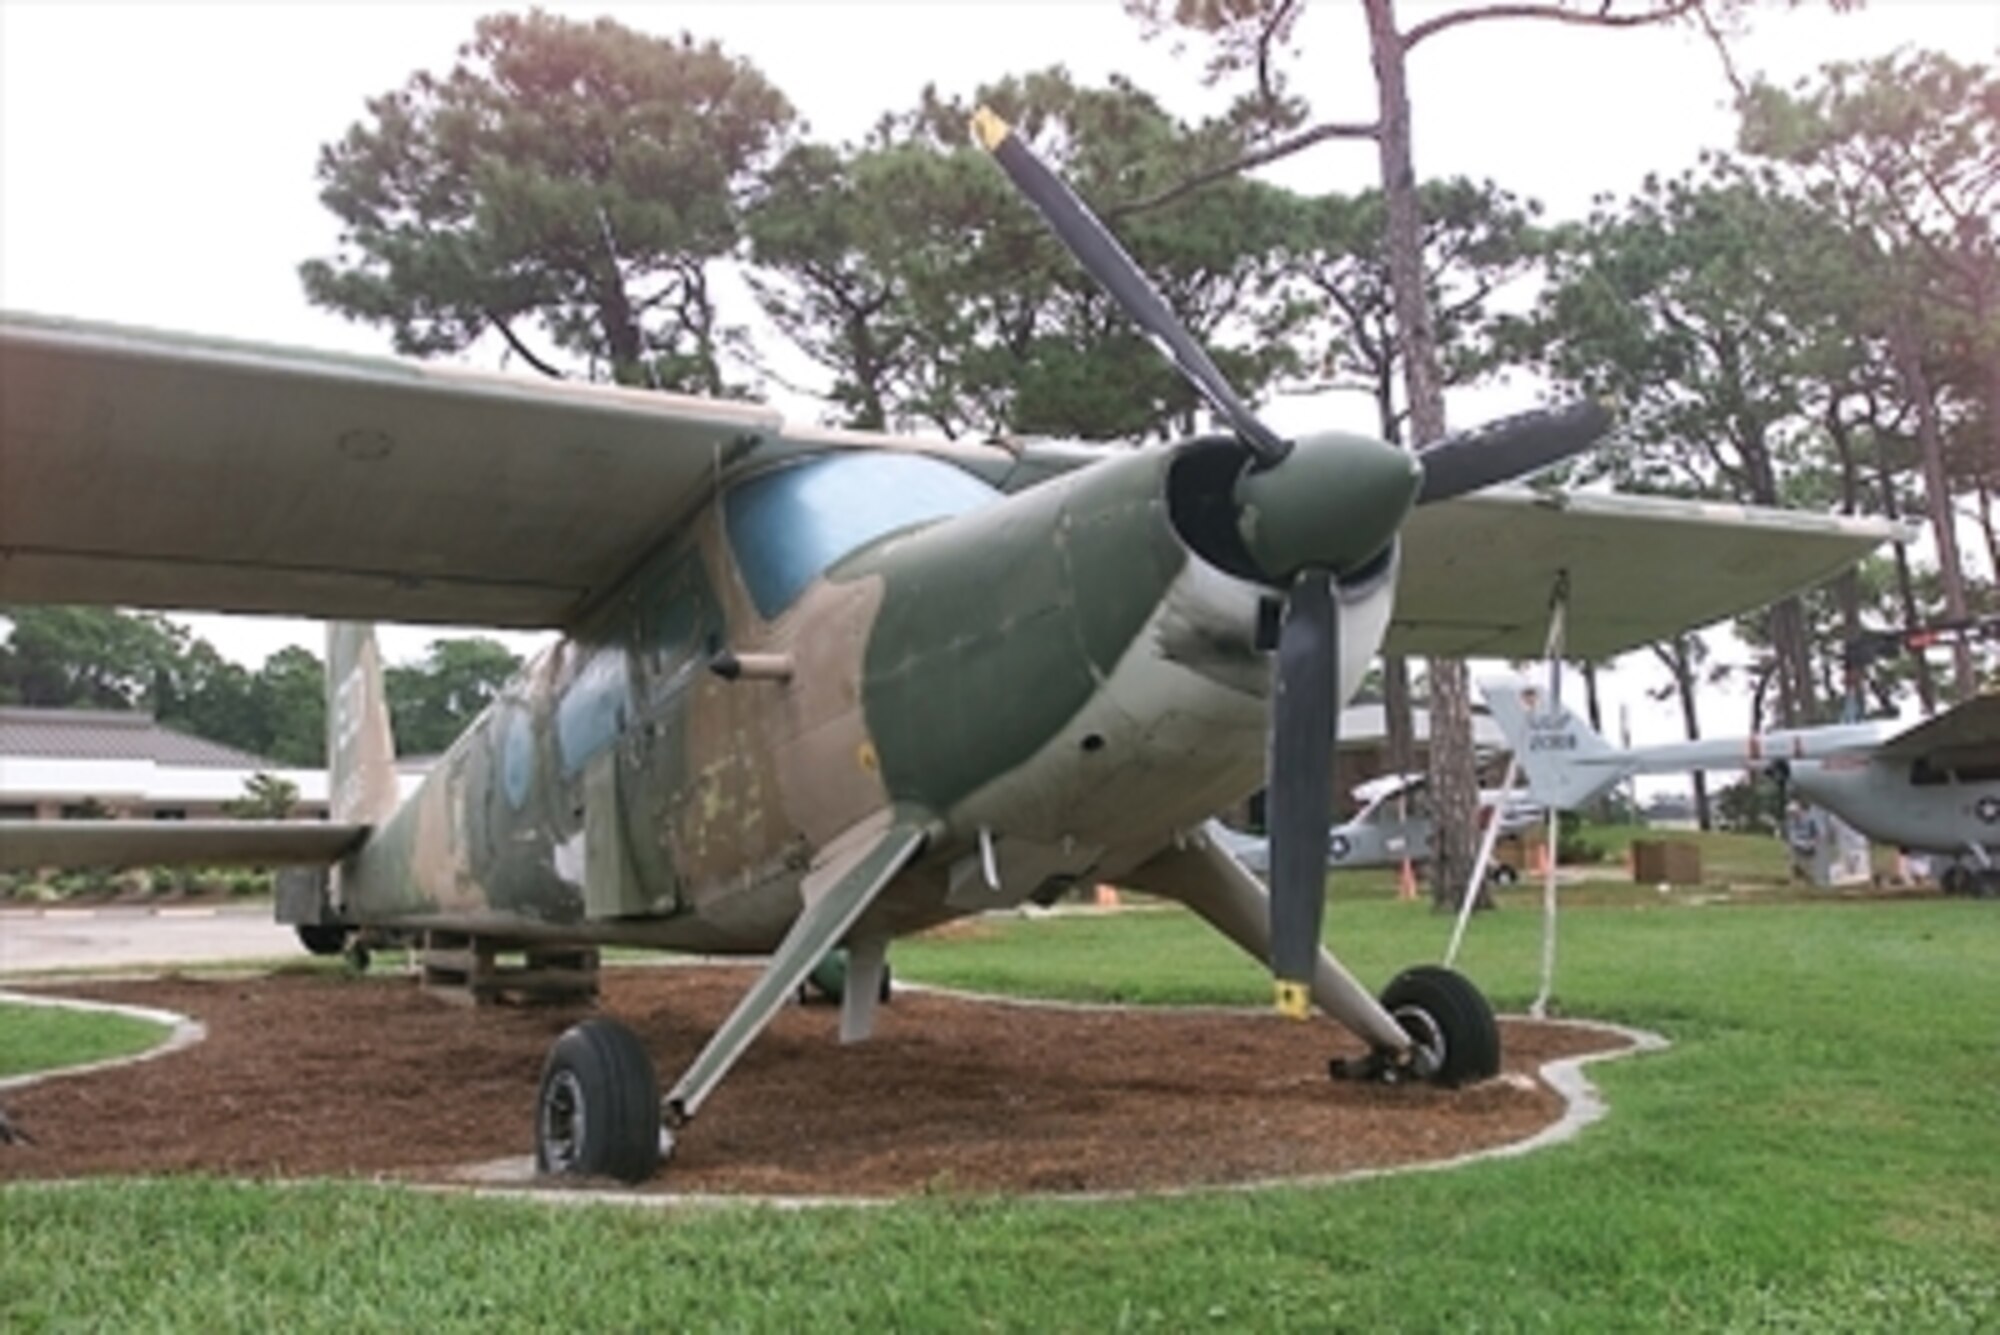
[360,747]
[1567,764]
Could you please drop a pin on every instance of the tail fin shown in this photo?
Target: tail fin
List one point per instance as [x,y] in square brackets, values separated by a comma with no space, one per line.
[360,749]
[1566,763]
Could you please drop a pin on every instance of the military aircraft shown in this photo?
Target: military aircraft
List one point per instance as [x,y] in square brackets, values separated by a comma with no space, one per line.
[817,687]
[1929,787]
[1390,827]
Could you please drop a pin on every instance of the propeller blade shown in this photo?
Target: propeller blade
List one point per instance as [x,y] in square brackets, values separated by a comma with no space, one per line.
[1509,448]
[1105,260]
[1301,783]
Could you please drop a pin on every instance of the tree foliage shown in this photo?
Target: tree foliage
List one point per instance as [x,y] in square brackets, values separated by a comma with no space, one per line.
[433,701]
[105,658]
[911,269]
[582,179]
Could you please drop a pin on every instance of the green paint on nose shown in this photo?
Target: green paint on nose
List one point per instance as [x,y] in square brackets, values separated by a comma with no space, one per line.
[1334,502]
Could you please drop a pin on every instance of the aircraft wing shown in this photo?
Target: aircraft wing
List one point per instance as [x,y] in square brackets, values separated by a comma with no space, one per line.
[1477,570]
[1385,786]
[1969,730]
[192,843]
[165,470]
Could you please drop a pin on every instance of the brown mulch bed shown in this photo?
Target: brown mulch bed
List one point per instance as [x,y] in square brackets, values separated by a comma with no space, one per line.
[321,1075]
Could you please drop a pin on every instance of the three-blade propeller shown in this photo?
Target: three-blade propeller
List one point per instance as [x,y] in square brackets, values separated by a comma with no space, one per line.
[1310,511]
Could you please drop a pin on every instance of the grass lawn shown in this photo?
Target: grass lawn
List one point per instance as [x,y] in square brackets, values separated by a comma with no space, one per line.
[1820,1150]
[40,1038]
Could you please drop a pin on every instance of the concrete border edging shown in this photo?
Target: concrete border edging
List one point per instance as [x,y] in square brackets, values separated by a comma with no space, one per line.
[182,1032]
[1583,1105]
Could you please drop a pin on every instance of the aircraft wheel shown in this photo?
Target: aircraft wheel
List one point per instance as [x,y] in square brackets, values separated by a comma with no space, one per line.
[597,1113]
[1956,880]
[1504,874]
[1456,1038]
[322,938]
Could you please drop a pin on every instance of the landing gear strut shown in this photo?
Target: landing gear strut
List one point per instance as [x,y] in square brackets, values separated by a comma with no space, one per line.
[1453,1037]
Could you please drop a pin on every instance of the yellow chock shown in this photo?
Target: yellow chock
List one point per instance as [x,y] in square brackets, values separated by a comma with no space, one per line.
[1294,1000]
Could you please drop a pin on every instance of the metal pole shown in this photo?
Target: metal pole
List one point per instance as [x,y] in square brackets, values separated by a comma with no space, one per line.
[1552,652]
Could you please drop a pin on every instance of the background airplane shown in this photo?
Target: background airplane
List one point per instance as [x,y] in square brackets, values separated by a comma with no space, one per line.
[1391,826]
[1930,787]
[816,687]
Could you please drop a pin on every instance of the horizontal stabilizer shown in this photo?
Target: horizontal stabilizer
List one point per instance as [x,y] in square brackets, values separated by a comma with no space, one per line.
[1567,764]
[178,843]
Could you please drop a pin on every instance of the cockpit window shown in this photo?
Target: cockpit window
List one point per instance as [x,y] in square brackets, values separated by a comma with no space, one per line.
[789,525]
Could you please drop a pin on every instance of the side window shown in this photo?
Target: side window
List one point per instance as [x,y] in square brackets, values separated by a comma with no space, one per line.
[677,617]
[1924,774]
[592,708]
[788,525]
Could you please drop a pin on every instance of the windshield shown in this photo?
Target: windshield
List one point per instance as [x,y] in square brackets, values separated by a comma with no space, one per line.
[789,525]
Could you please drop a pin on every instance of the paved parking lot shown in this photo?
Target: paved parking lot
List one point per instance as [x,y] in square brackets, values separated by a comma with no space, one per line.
[38,940]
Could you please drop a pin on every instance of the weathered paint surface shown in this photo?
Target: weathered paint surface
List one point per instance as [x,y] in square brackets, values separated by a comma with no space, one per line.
[1051,672]
[996,629]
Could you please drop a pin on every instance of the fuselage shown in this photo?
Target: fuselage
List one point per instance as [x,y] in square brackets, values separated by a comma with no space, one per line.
[1056,678]
[1905,805]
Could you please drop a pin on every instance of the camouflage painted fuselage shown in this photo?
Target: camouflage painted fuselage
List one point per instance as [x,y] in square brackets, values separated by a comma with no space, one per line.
[1055,677]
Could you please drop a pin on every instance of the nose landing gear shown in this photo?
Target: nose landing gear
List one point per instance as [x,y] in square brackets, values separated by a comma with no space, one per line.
[1454,1039]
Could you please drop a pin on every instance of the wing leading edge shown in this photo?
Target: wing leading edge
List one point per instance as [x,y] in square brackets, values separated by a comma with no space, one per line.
[164,470]
[150,843]
[1478,571]
[1968,731]
[153,469]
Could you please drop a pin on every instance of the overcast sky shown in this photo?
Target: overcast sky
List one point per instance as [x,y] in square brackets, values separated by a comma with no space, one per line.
[156,160]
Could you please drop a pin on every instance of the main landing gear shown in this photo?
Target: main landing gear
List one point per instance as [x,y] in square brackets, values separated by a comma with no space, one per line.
[597,1113]
[1454,1039]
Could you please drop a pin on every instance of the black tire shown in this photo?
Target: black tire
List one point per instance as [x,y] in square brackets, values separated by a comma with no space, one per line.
[1450,1022]
[321,938]
[1504,874]
[1956,880]
[597,1112]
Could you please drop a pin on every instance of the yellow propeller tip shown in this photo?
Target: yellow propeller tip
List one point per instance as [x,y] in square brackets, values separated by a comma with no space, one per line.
[1293,1000]
[989,129]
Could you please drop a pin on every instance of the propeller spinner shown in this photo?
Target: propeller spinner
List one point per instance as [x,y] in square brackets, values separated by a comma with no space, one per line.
[1309,511]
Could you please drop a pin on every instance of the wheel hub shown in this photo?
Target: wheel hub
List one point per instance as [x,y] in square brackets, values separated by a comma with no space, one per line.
[1428,1046]
[562,1122]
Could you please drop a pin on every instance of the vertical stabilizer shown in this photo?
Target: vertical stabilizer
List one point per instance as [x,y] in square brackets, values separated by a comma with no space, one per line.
[1567,764]
[360,748]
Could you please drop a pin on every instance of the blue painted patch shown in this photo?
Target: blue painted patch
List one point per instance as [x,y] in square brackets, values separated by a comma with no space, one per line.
[592,709]
[517,757]
[789,525]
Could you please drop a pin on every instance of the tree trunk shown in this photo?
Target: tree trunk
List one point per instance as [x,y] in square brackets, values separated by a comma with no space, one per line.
[1401,739]
[1906,588]
[1798,702]
[1684,685]
[1930,439]
[1454,784]
[1847,588]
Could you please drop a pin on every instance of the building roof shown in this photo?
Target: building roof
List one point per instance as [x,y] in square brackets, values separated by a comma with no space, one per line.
[103,734]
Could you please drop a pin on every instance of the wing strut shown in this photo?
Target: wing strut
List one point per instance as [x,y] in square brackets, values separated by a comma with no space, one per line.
[1552,652]
[850,873]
